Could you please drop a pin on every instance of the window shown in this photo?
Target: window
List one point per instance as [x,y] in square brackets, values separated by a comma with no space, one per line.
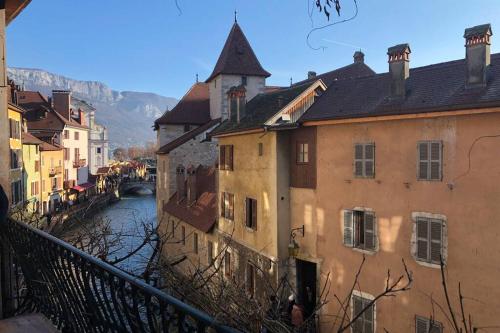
[77,154]
[77,135]
[66,174]
[364,160]
[429,240]
[359,229]
[302,152]
[227,205]
[53,183]
[17,195]
[195,243]
[227,264]
[430,156]
[261,149]
[226,157]
[250,279]
[365,323]
[98,150]
[251,213]
[15,129]
[37,166]
[187,128]
[183,235]
[15,158]
[210,252]
[66,134]
[425,325]
[243,80]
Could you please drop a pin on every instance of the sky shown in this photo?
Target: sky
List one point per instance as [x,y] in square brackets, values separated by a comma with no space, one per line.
[152,46]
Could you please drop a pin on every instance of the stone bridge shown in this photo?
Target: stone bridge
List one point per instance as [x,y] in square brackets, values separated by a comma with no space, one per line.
[137,186]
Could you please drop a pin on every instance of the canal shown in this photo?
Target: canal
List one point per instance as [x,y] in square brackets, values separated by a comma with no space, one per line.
[125,222]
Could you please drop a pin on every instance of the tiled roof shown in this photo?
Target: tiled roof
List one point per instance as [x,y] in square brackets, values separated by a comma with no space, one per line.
[203,213]
[357,69]
[193,108]
[438,87]
[30,139]
[260,108]
[165,149]
[45,146]
[237,57]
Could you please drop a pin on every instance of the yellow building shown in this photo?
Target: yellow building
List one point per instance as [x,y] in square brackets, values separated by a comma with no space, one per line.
[31,172]
[51,157]
[16,160]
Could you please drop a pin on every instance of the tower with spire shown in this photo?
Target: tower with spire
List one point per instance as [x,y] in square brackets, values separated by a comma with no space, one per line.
[237,66]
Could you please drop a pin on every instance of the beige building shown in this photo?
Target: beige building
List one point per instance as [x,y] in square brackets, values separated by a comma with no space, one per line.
[406,168]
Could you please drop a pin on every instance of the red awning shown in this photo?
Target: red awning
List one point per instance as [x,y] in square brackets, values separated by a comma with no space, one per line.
[82,187]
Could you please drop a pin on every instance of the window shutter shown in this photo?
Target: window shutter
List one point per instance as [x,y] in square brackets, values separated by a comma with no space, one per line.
[422,239]
[222,158]
[358,160]
[436,241]
[421,325]
[230,164]
[231,205]
[11,128]
[247,212]
[222,204]
[370,231]
[423,160]
[370,160]
[348,228]
[254,214]
[357,308]
[435,160]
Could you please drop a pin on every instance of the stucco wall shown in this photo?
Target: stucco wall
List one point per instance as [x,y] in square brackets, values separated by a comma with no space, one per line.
[71,143]
[468,200]
[31,155]
[167,133]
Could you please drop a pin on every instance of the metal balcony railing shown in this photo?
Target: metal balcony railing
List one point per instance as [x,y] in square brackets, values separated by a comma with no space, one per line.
[80,293]
[79,163]
[55,171]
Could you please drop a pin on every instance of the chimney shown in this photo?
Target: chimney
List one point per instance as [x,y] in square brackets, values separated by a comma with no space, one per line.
[181,183]
[311,74]
[81,117]
[191,185]
[359,57]
[399,69]
[477,53]
[62,102]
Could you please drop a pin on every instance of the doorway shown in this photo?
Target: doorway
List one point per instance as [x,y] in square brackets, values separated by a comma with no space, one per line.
[306,285]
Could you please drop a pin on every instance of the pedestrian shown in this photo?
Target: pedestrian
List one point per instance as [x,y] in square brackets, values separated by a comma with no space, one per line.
[297,316]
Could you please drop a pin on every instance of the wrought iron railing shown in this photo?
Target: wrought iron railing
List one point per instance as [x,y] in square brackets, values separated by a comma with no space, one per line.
[80,293]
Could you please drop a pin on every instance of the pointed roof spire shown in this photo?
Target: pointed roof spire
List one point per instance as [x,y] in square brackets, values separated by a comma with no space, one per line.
[237,57]
[235,16]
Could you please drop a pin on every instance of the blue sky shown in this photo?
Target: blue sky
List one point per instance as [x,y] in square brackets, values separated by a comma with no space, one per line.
[150,46]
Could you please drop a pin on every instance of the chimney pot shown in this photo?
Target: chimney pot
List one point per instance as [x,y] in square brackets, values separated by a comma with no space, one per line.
[399,68]
[359,57]
[62,102]
[477,54]
[311,74]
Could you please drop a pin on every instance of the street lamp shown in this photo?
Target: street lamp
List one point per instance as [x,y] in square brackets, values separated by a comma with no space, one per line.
[293,246]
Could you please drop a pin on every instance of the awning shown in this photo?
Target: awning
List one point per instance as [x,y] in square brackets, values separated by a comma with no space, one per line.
[82,187]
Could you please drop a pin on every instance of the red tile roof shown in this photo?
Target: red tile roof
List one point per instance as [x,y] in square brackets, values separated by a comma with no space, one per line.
[30,139]
[193,108]
[165,149]
[203,213]
[45,146]
[237,57]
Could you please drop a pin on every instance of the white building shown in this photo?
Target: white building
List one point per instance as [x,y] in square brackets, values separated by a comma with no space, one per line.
[98,144]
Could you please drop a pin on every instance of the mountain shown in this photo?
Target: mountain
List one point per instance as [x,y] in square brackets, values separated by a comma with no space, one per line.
[128,115]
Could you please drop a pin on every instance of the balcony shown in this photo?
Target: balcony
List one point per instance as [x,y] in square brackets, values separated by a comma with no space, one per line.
[79,163]
[55,171]
[80,293]
[68,184]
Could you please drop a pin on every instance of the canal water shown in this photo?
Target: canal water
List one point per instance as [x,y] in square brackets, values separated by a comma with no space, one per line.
[128,217]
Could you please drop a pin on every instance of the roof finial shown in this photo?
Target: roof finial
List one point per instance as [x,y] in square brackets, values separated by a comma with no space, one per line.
[196,77]
[291,80]
[235,16]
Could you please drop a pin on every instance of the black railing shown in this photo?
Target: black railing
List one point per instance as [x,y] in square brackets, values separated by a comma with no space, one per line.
[80,293]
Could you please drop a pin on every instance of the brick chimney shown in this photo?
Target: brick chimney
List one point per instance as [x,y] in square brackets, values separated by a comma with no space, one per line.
[181,183]
[191,185]
[61,100]
[359,57]
[399,69]
[477,53]
[311,74]
[81,117]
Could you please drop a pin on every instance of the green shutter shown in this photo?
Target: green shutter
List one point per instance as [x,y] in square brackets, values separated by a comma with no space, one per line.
[348,230]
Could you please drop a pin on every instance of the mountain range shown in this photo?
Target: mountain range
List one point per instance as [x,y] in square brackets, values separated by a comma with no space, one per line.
[128,115]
